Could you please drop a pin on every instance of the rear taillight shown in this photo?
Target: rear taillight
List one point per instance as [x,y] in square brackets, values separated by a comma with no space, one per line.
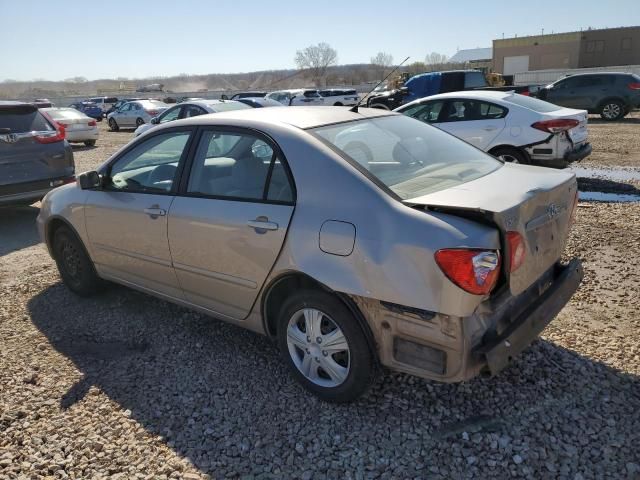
[526,94]
[517,250]
[50,137]
[92,123]
[634,86]
[557,125]
[153,113]
[475,271]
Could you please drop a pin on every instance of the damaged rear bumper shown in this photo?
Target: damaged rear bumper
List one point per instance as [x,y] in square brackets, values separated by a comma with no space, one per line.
[498,352]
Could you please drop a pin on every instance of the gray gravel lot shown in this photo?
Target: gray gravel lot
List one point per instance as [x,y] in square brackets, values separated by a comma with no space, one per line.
[123,385]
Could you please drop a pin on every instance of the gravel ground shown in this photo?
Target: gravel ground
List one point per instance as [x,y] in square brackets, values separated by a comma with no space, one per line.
[126,386]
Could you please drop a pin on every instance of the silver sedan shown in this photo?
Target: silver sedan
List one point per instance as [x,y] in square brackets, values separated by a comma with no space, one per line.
[135,113]
[353,239]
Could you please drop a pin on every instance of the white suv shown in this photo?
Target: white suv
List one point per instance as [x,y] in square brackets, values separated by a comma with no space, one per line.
[339,96]
[105,103]
[306,97]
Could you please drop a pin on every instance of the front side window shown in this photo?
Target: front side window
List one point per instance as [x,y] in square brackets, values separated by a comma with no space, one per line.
[170,115]
[407,157]
[192,111]
[151,166]
[238,166]
[426,112]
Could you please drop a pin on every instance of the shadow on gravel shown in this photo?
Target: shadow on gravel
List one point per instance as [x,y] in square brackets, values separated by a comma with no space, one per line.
[18,228]
[626,120]
[221,396]
[607,186]
[77,147]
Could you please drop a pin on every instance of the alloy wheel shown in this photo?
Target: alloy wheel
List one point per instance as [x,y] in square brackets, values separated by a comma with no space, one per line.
[318,347]
[611,110]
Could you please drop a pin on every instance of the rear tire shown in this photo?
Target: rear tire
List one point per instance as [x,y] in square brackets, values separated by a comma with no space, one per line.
[511,155]
[612,110]
[113,125]
[75,266]
[90,143]
[337,104]
[335,355]
[139,122]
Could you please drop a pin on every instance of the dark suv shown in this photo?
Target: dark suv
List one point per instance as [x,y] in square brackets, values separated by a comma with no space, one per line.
[612,95]
[34,155]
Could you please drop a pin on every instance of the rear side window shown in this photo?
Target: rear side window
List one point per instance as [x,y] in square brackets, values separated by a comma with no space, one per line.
[311,94]
[111,100]
[238,166]
[474,80]
[23,119]
[469,110]
[532,103]
[452,81]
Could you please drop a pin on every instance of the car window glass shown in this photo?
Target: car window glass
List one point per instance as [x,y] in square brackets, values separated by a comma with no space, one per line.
[490,111]
[170,115]
[151,166]
[126,107]
[21,119]
[192,111]
[427,112]
[238,172]
[461,110]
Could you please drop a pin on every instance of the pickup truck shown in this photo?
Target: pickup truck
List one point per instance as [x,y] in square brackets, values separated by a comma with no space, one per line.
[427,84]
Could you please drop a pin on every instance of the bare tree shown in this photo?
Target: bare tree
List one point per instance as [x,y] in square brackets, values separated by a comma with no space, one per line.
[382,60]
[435,60]
[317,59]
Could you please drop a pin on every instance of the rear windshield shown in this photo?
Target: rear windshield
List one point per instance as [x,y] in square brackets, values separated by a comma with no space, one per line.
[66,113]
[409,157]
[22,119]
[531,103]
[311,93]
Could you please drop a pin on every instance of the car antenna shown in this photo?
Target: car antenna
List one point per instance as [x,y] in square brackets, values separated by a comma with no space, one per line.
[354,109]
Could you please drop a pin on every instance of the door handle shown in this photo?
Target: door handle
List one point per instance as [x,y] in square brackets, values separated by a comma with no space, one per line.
[260,224]
[155,212]
[490,129]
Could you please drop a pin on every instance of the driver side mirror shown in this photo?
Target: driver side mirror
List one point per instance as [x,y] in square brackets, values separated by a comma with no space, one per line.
[224,97]
[90,180]
[155,120]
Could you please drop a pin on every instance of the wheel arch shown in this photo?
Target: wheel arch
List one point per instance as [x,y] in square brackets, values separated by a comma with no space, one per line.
[53,225]
[522,150]
[276,292]
[611,98]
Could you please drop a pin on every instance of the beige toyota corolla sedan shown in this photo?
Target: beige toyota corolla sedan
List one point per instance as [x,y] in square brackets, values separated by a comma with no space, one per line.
[355,239]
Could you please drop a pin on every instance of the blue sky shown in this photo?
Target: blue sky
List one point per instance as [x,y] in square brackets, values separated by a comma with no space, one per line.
[139,38]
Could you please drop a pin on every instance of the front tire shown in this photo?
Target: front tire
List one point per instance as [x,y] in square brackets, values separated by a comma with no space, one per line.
[337,104]
[75,266]
[612,110]
[325,347]
[139,122]
[113,125]
[511,155]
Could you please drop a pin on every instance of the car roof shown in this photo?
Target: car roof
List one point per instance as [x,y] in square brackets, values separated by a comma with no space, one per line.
[471,94]
[14,103]
[300,117]
[208,103]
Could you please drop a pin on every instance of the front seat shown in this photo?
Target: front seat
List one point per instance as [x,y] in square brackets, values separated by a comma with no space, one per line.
[247,179]
[162,176]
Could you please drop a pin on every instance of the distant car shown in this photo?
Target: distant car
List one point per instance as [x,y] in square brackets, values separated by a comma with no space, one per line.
[191,109]
[120,103]
[612,95]
[78,127]
[188,99]
[105,103]
[240,95]
[90,109]
[512,127]
[260,102]
[136,113]
[425,85]
[339,96]
[306,97]
[34,156]
[42,103]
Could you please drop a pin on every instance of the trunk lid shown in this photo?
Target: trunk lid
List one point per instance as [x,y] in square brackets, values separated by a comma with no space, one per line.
[533,201]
